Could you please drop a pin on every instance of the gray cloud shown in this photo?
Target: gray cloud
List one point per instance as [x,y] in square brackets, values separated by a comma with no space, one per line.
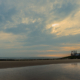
[35,35]
[33,28]
[62,11]
[6,15]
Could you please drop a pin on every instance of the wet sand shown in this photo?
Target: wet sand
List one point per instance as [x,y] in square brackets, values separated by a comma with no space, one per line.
[11,64]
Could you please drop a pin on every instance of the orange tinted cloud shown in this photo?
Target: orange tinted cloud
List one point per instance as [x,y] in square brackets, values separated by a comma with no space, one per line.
[54,55]
[68,26]
[69,48]
[46,50]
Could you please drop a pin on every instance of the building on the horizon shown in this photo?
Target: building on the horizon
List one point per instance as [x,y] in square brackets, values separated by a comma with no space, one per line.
[74,53]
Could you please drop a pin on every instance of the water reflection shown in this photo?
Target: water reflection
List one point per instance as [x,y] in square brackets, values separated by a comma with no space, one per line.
[74,64]
[45,72]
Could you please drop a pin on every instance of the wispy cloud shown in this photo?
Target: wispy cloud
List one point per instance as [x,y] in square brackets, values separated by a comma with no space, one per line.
[54,55]
[40,26]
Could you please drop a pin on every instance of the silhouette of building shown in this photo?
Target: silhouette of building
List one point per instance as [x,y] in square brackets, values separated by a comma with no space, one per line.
[74,53]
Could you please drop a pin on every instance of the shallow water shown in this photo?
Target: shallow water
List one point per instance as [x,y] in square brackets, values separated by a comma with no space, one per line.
[70,71]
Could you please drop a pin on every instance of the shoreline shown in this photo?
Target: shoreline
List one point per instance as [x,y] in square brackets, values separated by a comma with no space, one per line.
[13,64]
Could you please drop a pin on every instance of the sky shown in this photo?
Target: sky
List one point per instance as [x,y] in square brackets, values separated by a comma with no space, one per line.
[39,28]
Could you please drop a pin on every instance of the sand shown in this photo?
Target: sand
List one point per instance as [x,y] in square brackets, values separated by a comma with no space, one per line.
[11,64]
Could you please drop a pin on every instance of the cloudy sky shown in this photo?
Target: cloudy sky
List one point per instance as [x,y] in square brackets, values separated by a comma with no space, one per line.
[39,28]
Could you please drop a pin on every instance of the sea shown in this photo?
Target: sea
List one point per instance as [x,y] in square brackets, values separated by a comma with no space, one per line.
[68,71]
[28,57]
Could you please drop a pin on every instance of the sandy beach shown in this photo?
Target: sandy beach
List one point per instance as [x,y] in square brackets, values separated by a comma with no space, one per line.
[11,64]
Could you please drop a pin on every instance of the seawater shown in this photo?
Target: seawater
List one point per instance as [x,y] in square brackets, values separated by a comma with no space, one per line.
[70,71]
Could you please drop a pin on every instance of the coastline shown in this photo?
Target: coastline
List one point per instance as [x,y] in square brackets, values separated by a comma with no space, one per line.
[12,64]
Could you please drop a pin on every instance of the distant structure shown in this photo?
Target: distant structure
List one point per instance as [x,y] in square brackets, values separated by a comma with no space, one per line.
[74,53]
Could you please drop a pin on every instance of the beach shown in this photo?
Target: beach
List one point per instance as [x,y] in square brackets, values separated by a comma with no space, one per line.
[11,64]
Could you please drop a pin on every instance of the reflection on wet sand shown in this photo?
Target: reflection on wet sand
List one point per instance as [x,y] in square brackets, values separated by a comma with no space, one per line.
[44,72]
[74,64]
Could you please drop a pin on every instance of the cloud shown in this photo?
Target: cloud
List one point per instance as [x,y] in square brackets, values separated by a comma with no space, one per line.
[66,16]
[29,25]
[69,47]
[69,26]
[8,40]
[6,14]
[54,55]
